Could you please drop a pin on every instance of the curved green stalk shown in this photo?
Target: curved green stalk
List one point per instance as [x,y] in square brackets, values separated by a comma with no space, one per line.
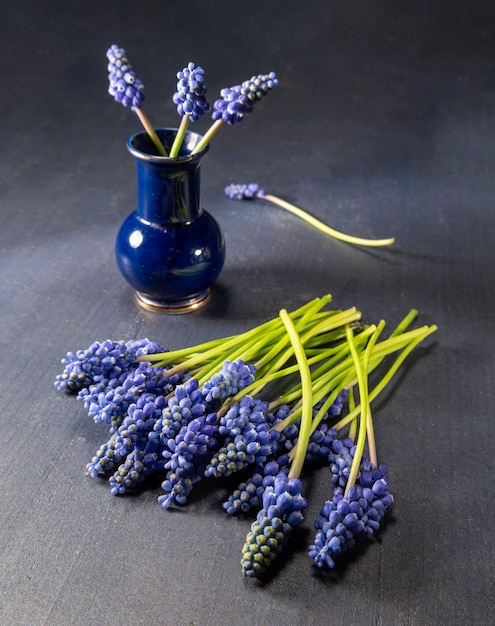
[274,375]
[307,396]
[365,410]
[335,374]
[323,227]
[388,376]
[304,320]
[334,321]
[369,420]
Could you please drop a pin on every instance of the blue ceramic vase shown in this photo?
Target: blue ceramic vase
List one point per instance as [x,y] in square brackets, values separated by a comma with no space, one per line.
[170,250]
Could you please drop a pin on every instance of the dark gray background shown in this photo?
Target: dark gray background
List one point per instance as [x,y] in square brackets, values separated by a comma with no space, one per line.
[383,124]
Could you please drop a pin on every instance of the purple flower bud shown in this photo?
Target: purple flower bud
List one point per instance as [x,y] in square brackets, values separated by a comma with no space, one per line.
[190,96]
[122,79]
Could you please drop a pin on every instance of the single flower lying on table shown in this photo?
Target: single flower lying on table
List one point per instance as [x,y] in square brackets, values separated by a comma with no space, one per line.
[207,411]
[250,191]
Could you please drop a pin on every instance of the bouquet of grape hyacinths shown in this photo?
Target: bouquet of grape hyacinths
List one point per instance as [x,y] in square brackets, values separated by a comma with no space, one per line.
[231,108]
[293,392]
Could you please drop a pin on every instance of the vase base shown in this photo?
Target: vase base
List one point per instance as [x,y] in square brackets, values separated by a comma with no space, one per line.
[177,306]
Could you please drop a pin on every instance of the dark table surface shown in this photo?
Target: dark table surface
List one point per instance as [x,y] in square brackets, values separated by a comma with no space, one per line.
[382,124]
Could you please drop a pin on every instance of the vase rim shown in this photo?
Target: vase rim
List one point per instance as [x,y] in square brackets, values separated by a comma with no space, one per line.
[146,156]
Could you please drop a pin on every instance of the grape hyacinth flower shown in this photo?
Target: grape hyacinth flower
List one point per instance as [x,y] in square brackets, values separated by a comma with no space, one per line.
[108,401]
[236,102]
[102,361]
[249,191]
[137,466]
[232,378]
[249,494]
[341,457]
[237,191]
[187,455]
[232,106]
[139,423]
[258,86]
[190,96]
[249,439]
[182,407]
[281,513]
[85,367]
[106,458]
[320,443]
[361,498]
[190,99]
[345,518]
[132,449]
[188,431]
[124,85]
[283,503]
[128,90]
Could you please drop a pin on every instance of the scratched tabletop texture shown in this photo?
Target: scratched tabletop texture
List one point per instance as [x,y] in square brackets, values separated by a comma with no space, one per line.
[383,124]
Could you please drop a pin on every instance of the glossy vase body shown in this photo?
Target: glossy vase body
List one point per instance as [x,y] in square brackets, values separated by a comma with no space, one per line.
[170,250]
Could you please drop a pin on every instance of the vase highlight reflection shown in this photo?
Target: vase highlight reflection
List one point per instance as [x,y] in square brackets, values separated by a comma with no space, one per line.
[170,250]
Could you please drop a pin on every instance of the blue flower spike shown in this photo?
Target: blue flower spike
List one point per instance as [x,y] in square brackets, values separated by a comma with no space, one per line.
[236,102]
[361,496]
[240,191]
[281,514]
[190,99]
[344,519]
[128,90]
[248,438]
[283,502]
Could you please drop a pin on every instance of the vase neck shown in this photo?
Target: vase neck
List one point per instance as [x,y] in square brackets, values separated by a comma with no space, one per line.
[169,191]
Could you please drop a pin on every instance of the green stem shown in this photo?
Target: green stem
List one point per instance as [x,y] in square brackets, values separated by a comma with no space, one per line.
[393,344]
[307,396]
[315,344]
[410,317]
[335,374]
[151,132]
[179,137]
[332,322]
[214,128]
[269,367]
[389,375]
[352,405]
[205,353]
[339,373]
[363,394]
[328,376]
[267,358]
[247,351]
[323,227]
[273,375]
[369,420]
[310,321]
